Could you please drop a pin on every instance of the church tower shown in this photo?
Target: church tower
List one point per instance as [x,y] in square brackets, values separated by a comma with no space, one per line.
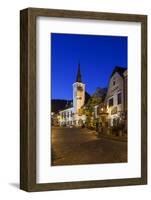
[78,92]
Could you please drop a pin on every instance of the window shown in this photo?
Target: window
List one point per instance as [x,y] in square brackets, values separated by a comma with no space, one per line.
[113,82]
[97,110]
[110,102]
[67,114]
[119,98]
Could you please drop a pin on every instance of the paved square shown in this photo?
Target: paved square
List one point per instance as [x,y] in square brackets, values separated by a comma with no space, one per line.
[73,146]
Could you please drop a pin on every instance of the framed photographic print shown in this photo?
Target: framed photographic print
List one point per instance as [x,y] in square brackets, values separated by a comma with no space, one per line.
[83,99]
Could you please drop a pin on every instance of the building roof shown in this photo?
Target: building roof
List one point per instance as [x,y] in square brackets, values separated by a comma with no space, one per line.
[68,105]
[119,70]
[60,104]
[78,78]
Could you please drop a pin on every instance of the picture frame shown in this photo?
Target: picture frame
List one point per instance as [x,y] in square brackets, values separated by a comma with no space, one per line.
[28,98]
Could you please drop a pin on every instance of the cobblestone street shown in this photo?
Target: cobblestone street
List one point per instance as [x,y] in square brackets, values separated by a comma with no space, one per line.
[72,146]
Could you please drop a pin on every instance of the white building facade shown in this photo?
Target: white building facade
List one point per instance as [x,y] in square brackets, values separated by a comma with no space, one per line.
[116,98]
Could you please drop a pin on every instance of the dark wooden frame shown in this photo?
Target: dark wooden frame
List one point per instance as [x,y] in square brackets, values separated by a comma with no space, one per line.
[28,98]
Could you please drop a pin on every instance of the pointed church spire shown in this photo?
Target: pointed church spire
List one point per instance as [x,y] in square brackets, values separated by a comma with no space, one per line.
[78,79]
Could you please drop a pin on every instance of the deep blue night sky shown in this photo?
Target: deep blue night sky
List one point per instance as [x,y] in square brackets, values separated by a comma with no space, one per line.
[98,55]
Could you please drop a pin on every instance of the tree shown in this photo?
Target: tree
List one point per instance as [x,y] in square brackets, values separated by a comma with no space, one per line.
[96,99]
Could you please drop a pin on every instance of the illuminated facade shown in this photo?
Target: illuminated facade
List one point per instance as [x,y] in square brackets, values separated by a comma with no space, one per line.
[116,98]
[112,112]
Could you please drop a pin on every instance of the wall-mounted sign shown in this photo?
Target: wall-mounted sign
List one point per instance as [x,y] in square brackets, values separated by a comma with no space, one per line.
[114,110]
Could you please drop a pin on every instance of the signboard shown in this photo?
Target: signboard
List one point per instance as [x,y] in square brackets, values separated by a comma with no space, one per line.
[114,110]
